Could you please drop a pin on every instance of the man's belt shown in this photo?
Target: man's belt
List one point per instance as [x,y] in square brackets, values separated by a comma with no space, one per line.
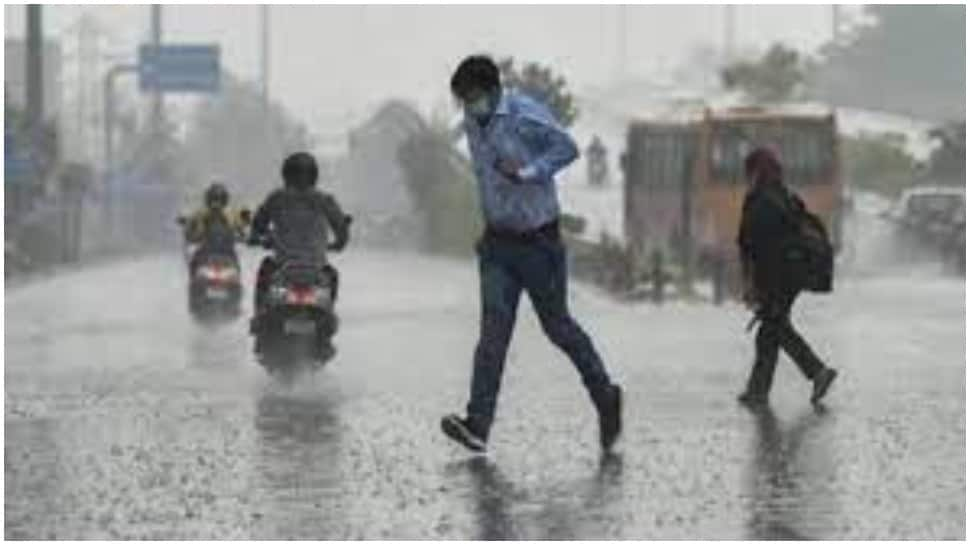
[547,231]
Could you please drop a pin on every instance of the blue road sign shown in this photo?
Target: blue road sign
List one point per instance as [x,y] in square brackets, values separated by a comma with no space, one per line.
[16,169]
[184,68]
[17,165]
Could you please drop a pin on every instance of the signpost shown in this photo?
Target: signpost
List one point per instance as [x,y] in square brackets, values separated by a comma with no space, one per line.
[181,68]
[161,68]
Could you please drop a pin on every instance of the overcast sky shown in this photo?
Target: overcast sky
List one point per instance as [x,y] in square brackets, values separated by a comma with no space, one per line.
[330,59]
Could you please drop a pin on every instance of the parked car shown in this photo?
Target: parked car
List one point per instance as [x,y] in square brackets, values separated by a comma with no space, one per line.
[934,216]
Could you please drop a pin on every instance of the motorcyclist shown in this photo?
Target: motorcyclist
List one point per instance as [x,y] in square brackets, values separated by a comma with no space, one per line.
[597,166]
[215,227]
[301,217]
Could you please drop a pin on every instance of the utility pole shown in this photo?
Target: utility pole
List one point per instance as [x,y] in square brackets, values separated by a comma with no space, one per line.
[86,58]
[621,42]
[264,52]
[34,93]
[729,34]
[157,100]
[109,120]
[34,99]
[81,98]
[836,23]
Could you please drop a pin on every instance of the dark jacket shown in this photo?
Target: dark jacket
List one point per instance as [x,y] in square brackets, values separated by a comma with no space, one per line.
[768,220]
[302,221]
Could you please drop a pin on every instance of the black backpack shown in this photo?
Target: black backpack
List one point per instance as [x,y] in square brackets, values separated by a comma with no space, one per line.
[808,253]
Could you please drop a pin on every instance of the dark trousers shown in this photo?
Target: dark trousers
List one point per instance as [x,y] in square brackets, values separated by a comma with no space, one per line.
[777,332]
[506,268]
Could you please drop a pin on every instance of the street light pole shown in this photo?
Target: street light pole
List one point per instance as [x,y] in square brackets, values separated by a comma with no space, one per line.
[34,101]
[836,23]
[157,100]
[264,52]
[109,121]
[621,42]
[729,37]
[34,93]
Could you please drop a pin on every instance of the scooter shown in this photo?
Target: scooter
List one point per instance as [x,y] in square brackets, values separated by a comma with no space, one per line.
[215,286]
[297,320]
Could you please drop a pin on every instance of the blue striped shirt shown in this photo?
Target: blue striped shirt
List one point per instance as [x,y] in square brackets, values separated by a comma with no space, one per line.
[524,131]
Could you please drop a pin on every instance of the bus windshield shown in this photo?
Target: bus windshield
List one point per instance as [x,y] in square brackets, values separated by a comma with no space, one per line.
[806,148]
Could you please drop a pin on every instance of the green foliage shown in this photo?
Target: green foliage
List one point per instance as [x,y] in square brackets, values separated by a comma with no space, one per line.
[948,163]
[542,84]
[878,162]
[775,77]
[911,60]
[236,137]
[46,152]
[443,186]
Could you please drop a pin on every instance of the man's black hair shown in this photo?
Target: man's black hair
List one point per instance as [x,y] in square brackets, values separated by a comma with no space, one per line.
[475,72]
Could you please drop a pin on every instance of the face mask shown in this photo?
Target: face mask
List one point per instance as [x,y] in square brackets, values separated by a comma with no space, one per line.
[480,108]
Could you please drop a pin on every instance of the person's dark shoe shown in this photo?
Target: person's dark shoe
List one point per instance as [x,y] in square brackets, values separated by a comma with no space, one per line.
[465,431]
[821,383]
[609,405]
[752,399]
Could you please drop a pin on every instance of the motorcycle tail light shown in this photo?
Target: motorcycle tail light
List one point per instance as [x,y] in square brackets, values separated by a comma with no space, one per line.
[218,274]
[304,296]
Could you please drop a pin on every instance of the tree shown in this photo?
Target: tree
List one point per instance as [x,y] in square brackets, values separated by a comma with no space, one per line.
[776,77]
[879,162]
[443,187]
[236,136]
[43,148]
[542,84]
[948,162]
[910,60]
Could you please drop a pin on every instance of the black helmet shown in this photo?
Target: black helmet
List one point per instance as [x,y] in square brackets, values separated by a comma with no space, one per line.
[216,196]
[300,171]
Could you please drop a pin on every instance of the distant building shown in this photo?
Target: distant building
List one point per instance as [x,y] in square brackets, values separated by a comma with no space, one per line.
[375,177]
[369,180]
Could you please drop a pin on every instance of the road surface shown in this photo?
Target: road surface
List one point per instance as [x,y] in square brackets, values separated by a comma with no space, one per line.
[125,419]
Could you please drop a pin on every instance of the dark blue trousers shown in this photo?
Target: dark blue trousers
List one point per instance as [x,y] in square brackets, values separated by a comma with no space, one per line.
[506,268]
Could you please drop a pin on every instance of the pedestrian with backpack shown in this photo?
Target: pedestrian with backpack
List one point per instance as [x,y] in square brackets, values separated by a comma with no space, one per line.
[784,250]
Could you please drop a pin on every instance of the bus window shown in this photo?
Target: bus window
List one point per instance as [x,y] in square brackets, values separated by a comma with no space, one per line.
[729,145]
[805,148]
[809,153]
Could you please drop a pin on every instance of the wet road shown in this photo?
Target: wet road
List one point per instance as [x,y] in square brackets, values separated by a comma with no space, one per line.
[124,419]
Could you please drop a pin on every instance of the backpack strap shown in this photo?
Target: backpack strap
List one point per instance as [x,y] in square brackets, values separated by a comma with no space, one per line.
[787,201]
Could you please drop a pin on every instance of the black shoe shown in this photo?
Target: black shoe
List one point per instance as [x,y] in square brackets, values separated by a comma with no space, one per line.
[465,431]
[609,405]
[822,382]
[752,399]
